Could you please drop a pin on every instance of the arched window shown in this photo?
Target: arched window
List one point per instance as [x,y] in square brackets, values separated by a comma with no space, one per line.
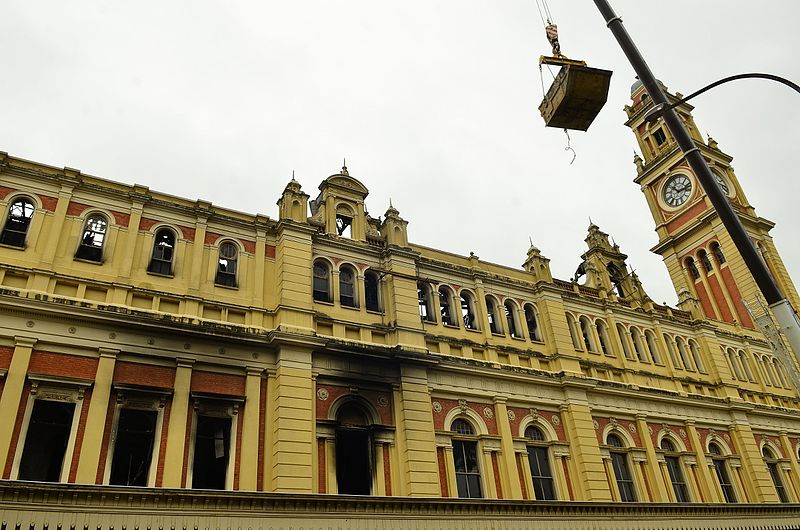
[772,465]
[532,323]
[691,266]
[447,306]
[671,350]
[684,354]
[721,470]
[372,296]
[616,277]
[771,377]
[622,472]
[465,459]
[511,318]
[344,221]
[227,264]
[573,332]
[354,458]
[18,221]
[468,310]
[733,362]
[675,470]
[717,251]
[539,460]
[776,366]
[602,336]
[163,252]
[623,338]
[586,333]
[347,286]
[93,239]
[491,313]
[652,346]
[697,357]
[703,256]
[744,360]
[638,345]
[322,281]
[425,302]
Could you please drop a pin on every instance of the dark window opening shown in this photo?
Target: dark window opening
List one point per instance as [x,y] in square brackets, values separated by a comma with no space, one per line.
[717,250]
[690,264]
[468,311]
[17,223]
[211,448]
[163,252]
[353,462]
[542,475]
[226,265]
[468,476]
[445,303]
[705,261]
[46,441]
[425,302]
[490,312]
[343,225]
[675,472]
[510,319]
[602,336]
[94,236]
[659,136]
[616,279]
[371,291]
[133,447]
[347,287]
[622,472]
[772,466]
[721,470]
[533,325]
[322,273]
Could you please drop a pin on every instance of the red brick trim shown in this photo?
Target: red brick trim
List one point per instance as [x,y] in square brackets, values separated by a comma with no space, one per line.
[162,446]
[387,470]
[12,449]
[76,453]
[322,471]
[442,472]
[496,472]
[101,468]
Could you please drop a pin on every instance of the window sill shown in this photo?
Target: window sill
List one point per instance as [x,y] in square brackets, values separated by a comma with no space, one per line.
[521,339]
[451,326]
[15,247]
[350,307]
[229,287]
[473,330]
[374,311]
[501,335]
[84,260]
[151,273]
[323,302]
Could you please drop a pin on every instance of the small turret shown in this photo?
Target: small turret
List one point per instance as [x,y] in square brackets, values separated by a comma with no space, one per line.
[537,265]
[293,204]
[394,228]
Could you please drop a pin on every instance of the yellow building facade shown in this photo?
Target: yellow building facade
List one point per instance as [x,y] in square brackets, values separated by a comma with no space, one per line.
[194,363]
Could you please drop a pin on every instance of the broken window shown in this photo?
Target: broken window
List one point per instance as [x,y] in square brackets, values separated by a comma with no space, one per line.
[322,282]
[17,223]
[530,321]
[372,291]
[623,339]
[211,448]
[622,472]
[539,460]
[227,264]
[717,250]
[692,266]
[94,236]
[511,318]
[468,310]
[343,225]
[676,476]
[425,302]
[163,252]
[46,441]
[616,279]
[133,447]
[465,460]
[652,347]
[494,325]
[703,255]
[353,451]
[659,136]
[446,306]
[347,286]
[586,333]
[638,347]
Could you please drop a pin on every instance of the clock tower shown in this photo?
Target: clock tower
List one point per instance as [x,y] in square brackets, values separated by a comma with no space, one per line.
[702,261]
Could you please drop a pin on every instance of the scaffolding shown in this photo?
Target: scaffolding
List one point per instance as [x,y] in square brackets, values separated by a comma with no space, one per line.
[762,316]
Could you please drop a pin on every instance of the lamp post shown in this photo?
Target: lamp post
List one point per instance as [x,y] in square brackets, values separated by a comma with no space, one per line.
[781,309]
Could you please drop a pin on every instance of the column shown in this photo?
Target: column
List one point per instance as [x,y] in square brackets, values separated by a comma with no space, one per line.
[96,418]
[176,430]
[586,459]
[248,459]
[12,392]
[708,484]
[756,477]
[511,485]
[292,426]
[57,225]
[416,444]
[656,479]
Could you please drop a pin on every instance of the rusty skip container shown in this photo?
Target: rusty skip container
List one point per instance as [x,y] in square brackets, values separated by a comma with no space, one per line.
[576,96]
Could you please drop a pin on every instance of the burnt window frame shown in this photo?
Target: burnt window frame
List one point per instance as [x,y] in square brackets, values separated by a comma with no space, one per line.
[468,310]
[492,315]
[88,250]
[348,300]
[17,236]
[425,304]
[215,406]
[149,472]
[226,278]
[511,312]
[448,304]
[372,291]
[534,331]
[166,266]
[319,295]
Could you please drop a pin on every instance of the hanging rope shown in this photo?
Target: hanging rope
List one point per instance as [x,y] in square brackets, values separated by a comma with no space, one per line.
[569,148]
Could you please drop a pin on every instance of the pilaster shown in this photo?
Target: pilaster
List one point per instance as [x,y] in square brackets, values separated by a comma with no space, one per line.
[12,392]
[586,459]
[248,459]
[178,418]
[708,486]
[756,477]
[658,488]
[96,418]
[512,489]
[418,447]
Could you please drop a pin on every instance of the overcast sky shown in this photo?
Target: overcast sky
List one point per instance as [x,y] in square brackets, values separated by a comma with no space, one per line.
[433,103]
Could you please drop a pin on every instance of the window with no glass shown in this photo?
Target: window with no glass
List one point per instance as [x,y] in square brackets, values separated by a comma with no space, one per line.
[163,252]
[46,441]
[93,239]
[211,452]
[227,264]
[133,447]
[17,223]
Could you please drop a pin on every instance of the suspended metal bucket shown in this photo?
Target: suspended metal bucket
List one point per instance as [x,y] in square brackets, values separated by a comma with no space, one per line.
[576,95]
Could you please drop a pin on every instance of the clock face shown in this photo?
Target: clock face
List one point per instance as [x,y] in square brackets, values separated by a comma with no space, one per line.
[677,190]
[722,184]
